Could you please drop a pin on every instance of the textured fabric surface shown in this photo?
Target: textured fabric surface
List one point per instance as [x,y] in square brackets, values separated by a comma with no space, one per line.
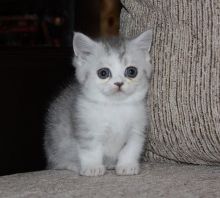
[155,181]
[185,92]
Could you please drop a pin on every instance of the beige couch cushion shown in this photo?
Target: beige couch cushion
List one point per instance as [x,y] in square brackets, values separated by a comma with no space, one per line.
[155,181]
[185,92]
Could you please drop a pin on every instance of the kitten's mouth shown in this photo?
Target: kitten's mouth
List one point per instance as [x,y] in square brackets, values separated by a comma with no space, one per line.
[119,91]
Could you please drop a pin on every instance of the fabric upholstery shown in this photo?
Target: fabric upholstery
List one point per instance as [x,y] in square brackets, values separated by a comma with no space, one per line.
[185,91]
[155,181]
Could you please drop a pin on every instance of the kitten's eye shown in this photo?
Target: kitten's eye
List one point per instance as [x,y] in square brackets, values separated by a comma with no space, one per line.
[104,73]
[131,72]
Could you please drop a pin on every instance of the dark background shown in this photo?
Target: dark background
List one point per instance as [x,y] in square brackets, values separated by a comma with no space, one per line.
[33,69]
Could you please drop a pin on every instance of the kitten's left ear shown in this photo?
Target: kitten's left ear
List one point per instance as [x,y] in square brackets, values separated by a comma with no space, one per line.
[143,41]
[83,45]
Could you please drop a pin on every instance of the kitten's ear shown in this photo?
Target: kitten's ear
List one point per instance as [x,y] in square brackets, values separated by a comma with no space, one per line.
[83,45]
[143,41]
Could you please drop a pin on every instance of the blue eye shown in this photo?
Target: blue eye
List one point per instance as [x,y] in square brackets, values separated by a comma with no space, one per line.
[131,72]
[104,73]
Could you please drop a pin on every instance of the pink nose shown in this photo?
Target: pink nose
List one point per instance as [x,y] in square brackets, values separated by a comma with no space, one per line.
[119,84]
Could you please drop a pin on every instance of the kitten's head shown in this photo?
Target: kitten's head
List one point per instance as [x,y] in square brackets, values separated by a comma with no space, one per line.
[113,70]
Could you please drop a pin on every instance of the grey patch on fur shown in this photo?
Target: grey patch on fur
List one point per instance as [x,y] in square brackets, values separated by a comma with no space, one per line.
[117,44]
[122,52]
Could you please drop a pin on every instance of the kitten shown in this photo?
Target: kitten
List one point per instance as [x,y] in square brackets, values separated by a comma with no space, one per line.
[99,122]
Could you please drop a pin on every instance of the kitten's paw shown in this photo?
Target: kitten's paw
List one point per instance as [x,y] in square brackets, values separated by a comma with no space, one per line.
[93,171]
[127,169]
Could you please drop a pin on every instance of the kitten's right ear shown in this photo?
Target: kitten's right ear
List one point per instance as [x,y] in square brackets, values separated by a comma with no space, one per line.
[83,45]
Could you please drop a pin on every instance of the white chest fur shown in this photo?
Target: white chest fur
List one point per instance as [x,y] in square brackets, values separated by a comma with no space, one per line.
[112,124]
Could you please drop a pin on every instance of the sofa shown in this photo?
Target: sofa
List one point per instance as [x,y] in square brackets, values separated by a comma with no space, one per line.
[182,153]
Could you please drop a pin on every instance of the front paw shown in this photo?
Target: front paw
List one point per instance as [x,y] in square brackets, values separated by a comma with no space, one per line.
[127,169]
[93,171]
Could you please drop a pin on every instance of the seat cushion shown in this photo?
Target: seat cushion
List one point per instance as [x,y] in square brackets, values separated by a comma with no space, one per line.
[155,181]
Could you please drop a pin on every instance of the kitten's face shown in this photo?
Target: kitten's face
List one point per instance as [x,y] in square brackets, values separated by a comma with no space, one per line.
[116,76]
[115,70]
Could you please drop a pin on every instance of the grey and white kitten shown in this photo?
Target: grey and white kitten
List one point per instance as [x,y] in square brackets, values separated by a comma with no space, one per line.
[99,123]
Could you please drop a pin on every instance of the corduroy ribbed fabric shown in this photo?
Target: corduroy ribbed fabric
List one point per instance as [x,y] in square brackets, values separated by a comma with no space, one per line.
[185,88]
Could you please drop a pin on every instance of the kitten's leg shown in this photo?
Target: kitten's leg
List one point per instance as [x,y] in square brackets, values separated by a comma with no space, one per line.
[128,160]
[91,159]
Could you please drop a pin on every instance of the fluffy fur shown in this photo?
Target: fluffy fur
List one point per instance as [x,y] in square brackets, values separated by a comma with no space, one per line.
[94,125]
